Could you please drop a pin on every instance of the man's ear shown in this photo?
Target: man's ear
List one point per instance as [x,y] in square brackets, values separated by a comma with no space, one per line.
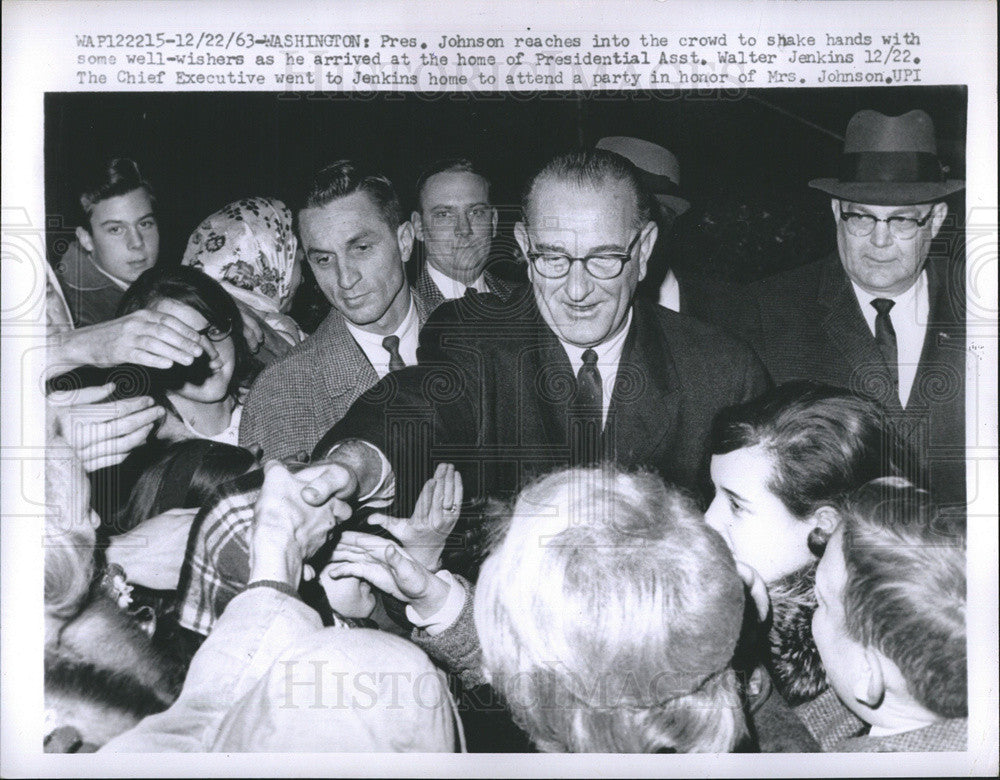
[404,237]
[86,240]
[418,225]
[835,207]
[939,212]
[869,688]
[496,216]
[645,248]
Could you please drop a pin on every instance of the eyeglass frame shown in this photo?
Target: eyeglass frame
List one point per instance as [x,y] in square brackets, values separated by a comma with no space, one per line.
[847,216]
[215,340]
[622,257]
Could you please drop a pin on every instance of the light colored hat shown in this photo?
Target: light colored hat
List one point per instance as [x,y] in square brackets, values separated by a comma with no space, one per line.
[658,168]
[890,161]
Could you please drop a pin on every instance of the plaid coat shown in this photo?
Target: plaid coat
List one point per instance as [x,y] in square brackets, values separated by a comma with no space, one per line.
[294,401]
[217,562]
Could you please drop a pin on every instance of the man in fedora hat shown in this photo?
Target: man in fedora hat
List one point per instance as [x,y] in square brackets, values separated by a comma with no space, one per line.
[881,317]
[698,295]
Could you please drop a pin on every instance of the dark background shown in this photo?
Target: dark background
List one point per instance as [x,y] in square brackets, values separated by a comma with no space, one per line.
[746,156]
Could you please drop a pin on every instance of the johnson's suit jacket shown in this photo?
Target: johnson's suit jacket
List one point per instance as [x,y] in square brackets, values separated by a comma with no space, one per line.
[294,401]
[807,324]
[433,297]
[493,388]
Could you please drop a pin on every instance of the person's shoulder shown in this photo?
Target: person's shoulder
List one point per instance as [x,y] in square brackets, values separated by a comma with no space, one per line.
[479,308]
[793,279]
[308,352]
[951,734]
[684,332]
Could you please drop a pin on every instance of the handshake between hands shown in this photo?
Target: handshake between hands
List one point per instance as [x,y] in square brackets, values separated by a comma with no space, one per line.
[299,509]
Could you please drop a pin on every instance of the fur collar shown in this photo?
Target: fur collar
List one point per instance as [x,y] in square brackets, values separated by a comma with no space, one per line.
[793,659]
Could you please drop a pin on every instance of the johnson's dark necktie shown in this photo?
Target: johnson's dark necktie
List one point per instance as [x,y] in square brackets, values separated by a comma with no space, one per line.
[391,344]
[885,337]
[587,412]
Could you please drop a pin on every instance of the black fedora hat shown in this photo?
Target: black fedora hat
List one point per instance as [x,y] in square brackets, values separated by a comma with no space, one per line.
[890,161]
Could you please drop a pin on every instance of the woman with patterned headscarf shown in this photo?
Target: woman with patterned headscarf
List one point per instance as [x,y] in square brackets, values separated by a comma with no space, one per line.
[250,248]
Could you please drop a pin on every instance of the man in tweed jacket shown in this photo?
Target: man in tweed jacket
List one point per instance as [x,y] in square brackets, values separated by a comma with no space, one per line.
[890,626]
[456,224]
[356,244]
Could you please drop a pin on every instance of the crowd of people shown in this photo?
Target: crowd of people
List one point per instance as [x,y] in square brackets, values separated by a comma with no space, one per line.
[540,507]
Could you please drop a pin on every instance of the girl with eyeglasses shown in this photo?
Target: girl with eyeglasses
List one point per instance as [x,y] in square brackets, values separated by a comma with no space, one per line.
[203,400]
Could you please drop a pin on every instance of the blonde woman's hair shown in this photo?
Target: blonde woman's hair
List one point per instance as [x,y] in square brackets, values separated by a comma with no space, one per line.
[608,614]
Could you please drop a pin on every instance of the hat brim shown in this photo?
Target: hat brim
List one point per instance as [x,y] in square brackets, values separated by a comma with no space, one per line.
[884,193]
[672,202]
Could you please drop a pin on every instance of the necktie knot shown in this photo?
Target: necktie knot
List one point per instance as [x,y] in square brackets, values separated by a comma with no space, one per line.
[589,357]
[391,345]
[883,306]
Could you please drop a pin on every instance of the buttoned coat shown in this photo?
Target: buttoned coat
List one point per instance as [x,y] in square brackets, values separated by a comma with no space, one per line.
[807,324]
[492,394]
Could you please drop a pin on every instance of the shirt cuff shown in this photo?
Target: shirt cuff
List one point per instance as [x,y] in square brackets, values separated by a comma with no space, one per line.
[445,617]
[384,491]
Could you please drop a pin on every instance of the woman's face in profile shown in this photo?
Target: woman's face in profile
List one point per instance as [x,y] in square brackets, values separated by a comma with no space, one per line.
[755,523]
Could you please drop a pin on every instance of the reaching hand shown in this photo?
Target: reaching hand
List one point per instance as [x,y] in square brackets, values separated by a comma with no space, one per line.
[253,330]
[757,587]
[389,568]
[152,553]
[437,510]
[287,530]
[103,434]
[155,338]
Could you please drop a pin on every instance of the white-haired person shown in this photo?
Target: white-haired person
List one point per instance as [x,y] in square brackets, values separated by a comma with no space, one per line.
[890,626]
[607,614]
[102,672]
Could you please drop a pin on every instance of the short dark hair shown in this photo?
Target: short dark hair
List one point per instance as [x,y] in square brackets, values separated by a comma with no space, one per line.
[345,177]
[448,165]
[825,442]
[117,176]
[203,294]
[906,589]
[594,168]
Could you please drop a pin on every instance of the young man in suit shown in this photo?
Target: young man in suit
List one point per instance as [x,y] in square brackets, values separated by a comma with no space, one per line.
[572,371]
[881,317]
[356,244]
[456,224]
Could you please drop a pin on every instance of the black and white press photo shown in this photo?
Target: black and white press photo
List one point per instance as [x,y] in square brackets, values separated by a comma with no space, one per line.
[642,415]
